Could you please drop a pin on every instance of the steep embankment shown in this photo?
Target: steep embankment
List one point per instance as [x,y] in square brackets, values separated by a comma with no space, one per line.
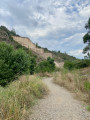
[59,105]
[26,42]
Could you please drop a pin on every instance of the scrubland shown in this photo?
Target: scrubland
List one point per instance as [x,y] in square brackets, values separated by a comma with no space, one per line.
[19,96]
[77,81]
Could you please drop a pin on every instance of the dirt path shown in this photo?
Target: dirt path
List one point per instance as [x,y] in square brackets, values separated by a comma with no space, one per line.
[59,105]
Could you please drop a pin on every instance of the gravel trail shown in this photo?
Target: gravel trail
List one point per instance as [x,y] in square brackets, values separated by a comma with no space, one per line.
[58,105]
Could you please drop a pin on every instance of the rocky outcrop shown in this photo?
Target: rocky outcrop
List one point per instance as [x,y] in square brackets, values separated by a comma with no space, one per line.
[24,41]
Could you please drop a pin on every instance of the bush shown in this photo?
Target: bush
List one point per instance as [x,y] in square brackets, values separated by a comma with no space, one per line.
[32,65]
[46,66]
[14,63]
[68,65]
[77,64]
[6,73]
[20,63]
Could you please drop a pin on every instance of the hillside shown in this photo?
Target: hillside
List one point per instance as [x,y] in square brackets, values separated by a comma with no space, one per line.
[6,36]
[40,53]
[60,57]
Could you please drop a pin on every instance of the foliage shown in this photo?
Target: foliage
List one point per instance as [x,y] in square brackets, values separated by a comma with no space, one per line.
[77,64]
[10,33]
[86,39]
[14,63]
[68,65]
[46,66]
[6,73]
[32,65]
[87,86]
[88,107]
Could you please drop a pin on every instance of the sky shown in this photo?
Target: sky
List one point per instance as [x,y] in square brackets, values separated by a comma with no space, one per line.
[54,24]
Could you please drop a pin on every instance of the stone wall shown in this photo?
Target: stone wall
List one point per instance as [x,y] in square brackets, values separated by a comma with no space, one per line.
[28,44]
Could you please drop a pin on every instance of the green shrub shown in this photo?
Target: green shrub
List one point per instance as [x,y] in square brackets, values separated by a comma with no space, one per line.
[14,63]
[77,64]
[46,66]
[20,63]
[32,65]
[6,73]
[88,107]
[6,52]
[68,65]
[87,86]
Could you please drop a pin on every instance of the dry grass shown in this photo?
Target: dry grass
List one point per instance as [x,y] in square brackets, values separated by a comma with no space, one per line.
[19,96]
[74,82]
[45,74]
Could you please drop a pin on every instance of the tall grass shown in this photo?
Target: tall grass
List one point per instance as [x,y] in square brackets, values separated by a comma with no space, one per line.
[75,82]
[19,96]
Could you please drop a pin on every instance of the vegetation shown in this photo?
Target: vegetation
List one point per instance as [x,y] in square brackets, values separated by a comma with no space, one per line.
[86,39]
[6,36]
[88,107]
[60,57]
[76,82]
[77,64]
[46,66]
[14,63]
[10,33]
[19,96]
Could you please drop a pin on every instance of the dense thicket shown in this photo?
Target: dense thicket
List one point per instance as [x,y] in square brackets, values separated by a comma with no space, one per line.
[46,66]
[14,63]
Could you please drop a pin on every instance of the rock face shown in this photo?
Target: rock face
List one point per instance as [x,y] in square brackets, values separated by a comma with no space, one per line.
[24,41]
[59,65]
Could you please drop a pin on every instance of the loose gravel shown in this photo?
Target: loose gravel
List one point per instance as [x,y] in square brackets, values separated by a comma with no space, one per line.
[58,105]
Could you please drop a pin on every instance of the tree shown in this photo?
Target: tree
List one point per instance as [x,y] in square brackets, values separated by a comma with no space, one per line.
[13,32]
[86,39]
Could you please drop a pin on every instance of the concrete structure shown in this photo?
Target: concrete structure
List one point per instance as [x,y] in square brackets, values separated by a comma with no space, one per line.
[24,41]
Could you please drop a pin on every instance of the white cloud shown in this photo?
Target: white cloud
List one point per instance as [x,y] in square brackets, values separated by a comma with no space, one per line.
[85,12]
[77,53]
[55,24]
[4,12]
[74,39]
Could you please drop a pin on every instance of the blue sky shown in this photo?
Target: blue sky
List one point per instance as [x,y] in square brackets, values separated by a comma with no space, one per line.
[54,24]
